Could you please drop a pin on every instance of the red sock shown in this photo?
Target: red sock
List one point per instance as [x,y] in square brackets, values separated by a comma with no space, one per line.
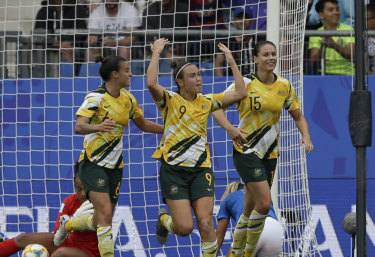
[8,247]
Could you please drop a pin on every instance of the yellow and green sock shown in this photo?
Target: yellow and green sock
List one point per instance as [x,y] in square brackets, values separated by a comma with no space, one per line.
[167,222]
[209,249]
[239,236]
[105,241]
[254,230]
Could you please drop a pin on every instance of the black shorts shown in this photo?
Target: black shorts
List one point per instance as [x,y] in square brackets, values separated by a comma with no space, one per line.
[186,183]
[99,179]
[251,168]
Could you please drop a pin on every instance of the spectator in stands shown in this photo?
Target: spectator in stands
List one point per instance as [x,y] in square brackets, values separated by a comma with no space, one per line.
[346,8]
[241,45]
[62,14]
[113,16]
[166,15]
[337,52]
[258,9]
[91,4]
[371,40]
[206,16]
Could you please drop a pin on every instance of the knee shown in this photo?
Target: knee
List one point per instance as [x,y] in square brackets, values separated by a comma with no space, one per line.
[263,207]
[205,224]
[104,216]
[184,229]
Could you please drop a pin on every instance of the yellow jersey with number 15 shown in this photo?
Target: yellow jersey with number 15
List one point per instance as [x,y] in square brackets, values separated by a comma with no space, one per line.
[184,142]
[260,113]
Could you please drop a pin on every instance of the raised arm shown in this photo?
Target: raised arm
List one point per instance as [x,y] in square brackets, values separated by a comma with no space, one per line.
[240,89]
[152,71]
[148,126]
[303,128]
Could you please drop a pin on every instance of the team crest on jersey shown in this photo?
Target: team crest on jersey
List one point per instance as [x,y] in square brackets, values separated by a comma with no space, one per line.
[281,93]
[127,105]
[100,182]
[257,173]
[204,106]
[174,190]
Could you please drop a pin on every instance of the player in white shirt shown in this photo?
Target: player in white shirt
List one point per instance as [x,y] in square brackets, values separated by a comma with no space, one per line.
[113,15]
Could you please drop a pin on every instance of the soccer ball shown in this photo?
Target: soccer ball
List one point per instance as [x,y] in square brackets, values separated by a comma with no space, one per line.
[35,250]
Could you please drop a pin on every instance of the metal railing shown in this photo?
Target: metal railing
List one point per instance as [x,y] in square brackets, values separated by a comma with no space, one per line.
[37,55]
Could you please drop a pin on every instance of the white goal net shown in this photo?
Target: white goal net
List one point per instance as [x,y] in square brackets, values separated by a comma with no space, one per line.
[46,69]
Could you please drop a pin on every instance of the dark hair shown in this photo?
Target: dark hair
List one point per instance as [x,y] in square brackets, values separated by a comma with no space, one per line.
[319,7]
[371,8]
[260,44]
[109,64]
[178,72]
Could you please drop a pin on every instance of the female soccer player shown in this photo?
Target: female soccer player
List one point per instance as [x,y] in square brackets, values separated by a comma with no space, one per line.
[186,176]
[256,141]
[77,244]
[270,241]
[102,118]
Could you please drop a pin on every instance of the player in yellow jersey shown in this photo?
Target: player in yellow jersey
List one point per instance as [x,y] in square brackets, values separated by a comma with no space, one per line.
[102,118]
[256,141]
[186,177]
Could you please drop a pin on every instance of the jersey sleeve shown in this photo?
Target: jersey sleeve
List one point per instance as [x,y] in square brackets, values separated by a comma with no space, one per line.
[89,105]
[216,101]
[291,102]
[136,110]
[163,102]
[231,87]
[223,211]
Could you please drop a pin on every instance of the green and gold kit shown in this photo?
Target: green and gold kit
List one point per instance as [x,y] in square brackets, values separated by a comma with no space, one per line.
[105,148]
[184,142]
[260,113]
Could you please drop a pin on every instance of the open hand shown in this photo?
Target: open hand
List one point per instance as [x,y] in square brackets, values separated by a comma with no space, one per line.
[227,52]
[107,125]
[158,45]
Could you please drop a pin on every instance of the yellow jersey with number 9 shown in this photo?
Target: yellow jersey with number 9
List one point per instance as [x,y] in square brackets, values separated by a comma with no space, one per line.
[184,142]
[260,113]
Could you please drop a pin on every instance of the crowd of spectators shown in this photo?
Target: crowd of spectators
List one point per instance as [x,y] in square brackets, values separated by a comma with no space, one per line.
[109,25]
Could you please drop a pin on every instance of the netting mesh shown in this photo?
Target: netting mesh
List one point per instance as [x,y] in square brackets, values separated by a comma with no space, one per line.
[43,82]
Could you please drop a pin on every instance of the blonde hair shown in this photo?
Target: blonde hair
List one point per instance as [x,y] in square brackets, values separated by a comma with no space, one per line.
[232,187]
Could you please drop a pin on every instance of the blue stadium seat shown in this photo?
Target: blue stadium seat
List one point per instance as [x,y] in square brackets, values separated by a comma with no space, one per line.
[66,69]
[139,67]
[164,67]
[207,68]
[89,69]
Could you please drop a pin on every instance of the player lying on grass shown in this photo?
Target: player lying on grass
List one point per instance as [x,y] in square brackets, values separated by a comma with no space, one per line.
[77,244]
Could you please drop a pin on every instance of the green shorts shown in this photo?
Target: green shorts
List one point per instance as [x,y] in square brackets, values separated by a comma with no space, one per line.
[99,179]
[253,169]
[186,183]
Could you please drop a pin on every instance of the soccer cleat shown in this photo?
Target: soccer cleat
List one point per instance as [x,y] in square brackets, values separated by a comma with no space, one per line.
[160,231]
[60,234]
